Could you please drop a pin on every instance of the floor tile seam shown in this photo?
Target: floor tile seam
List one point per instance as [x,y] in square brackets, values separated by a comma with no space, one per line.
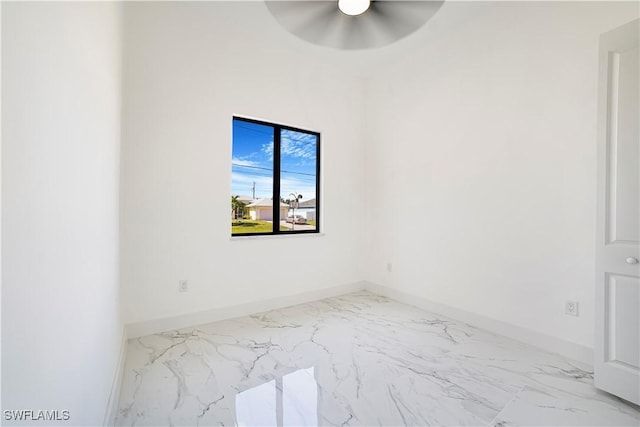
[506,405]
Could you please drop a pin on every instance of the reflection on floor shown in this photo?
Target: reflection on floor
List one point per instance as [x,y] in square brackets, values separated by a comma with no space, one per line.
[359,359]
[290,400]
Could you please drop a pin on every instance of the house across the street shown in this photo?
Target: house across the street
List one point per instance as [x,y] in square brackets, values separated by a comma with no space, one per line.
[307,209]
[262,209]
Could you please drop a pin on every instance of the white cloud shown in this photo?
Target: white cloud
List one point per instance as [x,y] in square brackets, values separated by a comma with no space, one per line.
[293,144]
[241,184]
[293,185]
[268,150]
[244,162]
[296,144]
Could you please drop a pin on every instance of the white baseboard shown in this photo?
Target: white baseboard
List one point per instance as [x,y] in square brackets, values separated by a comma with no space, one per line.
[568,349]
[114,395]
[546,342]
[155,326]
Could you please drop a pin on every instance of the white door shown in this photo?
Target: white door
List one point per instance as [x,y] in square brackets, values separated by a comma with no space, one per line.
[617,346]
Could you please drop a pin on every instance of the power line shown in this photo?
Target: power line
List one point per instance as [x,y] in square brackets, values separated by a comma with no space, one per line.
[259,174]
[251,167]
[268,169]
[253,130]
[309,180]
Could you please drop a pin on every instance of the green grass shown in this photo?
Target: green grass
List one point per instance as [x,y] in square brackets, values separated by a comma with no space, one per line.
[247,226]
[311,222]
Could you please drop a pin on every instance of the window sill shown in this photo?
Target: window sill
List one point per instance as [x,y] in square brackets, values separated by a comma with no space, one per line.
[276,236]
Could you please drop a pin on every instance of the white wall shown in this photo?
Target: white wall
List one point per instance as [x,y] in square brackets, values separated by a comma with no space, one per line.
[483,126]
[61,327]
[486,136]
[189,67]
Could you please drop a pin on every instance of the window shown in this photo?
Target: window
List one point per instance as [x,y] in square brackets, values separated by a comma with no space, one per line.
[275,185]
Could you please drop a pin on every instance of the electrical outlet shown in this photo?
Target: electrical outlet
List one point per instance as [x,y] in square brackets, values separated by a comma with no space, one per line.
[183,286]
[571,308]
[389,267]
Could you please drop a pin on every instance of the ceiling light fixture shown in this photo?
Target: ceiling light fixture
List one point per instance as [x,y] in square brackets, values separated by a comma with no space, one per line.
[353,7]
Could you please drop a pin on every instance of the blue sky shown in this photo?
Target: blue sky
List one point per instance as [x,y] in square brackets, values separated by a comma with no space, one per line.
[252,161]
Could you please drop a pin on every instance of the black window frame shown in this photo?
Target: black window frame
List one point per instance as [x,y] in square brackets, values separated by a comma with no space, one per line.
[277,132]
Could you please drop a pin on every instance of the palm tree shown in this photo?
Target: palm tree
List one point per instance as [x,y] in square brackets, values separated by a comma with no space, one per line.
[294,203]
[236,206]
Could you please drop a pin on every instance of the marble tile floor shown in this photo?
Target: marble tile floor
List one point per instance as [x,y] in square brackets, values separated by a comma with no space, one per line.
[355,360]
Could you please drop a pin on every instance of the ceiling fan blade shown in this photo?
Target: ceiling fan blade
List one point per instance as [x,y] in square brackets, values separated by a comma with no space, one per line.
[398,19]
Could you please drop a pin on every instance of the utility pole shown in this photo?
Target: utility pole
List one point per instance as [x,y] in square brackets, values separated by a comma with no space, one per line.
[253,190]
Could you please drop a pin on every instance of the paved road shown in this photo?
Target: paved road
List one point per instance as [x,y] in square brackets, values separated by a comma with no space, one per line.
[297,226]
